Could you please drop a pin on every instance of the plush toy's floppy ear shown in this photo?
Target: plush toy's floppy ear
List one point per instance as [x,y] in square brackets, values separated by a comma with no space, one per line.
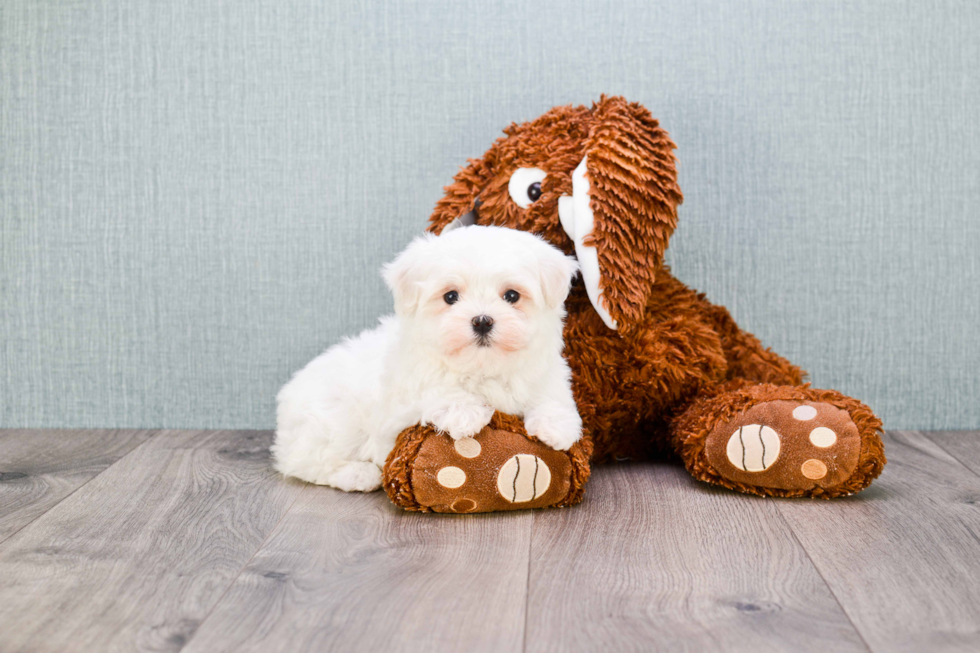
[623,209]
[460,200]
[403,276]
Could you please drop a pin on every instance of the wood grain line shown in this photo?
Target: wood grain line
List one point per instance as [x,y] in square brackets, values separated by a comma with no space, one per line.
[350,572]
[902,557]
[962,445]
[136,558]
[656,561]
[40,468]
[182,540]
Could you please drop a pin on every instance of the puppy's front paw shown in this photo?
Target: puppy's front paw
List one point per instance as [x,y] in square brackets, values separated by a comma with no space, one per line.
[558,428]
[460,420]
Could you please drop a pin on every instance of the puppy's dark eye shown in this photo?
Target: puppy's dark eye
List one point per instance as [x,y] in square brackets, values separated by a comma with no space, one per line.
[534,191]
[511,296]
[451,297]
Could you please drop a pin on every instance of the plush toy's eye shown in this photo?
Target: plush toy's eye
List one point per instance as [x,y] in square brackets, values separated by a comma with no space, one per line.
[534,191]
[525,186]
[451,297]
[511,296]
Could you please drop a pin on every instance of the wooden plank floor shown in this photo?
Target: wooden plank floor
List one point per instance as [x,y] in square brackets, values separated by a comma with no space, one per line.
[188,541]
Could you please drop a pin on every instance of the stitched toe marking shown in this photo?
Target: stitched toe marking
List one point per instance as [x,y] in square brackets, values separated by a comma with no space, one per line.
[804,413]
[753,448]
[463,505]
[823,437]
[451,477]
[523,478]
[467,447]
[813,469]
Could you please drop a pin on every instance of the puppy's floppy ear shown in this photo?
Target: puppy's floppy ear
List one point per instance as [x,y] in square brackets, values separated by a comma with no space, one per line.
[403,275]
[556,273]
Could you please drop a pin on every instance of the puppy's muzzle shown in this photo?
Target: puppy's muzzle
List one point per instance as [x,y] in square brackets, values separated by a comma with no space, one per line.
[482,326]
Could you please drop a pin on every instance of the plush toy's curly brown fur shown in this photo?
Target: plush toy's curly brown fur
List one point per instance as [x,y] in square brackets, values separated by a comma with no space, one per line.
[677,366]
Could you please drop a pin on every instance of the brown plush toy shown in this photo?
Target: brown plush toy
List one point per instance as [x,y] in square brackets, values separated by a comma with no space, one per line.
[656,368]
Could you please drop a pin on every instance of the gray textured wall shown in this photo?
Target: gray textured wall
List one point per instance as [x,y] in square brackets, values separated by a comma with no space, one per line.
[196,195]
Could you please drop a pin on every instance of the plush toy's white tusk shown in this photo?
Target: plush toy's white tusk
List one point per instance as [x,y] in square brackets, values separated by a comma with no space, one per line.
[577,220]
[566,215]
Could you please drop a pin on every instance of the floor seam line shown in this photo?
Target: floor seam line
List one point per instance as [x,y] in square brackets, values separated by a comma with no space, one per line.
[527,582]
[830,589]
[949,453]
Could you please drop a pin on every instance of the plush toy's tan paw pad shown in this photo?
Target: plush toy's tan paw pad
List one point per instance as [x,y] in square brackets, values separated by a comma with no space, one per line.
[523,478]
[788,445]
[496,470]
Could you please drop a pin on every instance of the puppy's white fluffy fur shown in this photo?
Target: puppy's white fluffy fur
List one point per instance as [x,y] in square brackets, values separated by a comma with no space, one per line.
[339,416]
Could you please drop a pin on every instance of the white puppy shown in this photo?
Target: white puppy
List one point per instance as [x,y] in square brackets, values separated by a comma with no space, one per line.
[477,328]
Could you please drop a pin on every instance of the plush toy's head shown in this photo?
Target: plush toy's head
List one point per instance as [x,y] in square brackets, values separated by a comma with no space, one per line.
[599,182]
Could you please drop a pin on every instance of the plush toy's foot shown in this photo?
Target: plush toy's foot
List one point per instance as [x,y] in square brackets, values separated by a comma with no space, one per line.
[782,441]
[501,468]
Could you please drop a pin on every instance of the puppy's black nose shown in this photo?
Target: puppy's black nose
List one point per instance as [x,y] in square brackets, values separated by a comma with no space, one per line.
[482,324]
